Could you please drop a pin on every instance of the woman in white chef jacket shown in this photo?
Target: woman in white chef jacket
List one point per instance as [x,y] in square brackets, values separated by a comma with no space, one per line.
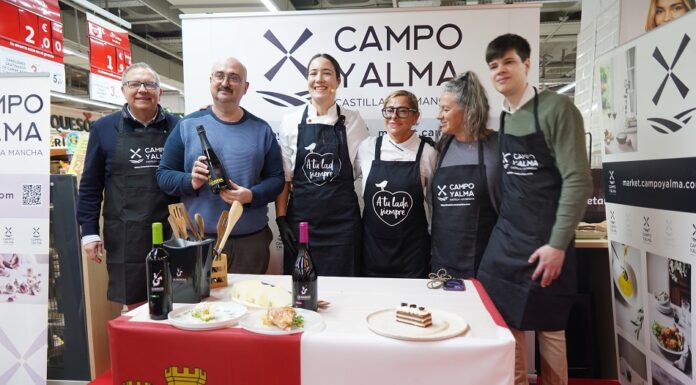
[319,143]
[396,169]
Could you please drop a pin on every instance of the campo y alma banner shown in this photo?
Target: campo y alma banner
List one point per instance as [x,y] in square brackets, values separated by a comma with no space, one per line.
[379,51]
[648,100]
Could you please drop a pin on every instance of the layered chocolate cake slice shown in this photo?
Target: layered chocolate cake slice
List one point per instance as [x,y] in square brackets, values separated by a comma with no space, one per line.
[414,315]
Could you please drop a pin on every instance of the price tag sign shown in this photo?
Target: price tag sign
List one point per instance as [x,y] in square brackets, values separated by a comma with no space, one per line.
[109,55]
[31,39]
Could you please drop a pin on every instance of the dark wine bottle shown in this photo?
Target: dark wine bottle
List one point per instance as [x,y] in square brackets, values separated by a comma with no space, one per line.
[159,278]
[304,277]
[217,176]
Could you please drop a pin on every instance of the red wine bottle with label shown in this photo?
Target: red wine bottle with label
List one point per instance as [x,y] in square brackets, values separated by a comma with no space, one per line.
[159,278]
[217,176]
[304,276]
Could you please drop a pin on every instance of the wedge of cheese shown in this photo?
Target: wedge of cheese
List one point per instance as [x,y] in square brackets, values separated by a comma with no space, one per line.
[256,293]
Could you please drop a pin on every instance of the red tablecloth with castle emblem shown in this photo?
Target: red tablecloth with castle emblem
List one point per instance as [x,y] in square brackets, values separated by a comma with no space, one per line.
[345,352]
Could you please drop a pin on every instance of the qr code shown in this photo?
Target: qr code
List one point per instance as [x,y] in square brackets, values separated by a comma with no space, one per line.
[31,195]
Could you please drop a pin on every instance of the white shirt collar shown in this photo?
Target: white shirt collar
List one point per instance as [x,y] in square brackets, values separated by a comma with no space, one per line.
[405,144]
[526,97]
[145,124]
[331,112]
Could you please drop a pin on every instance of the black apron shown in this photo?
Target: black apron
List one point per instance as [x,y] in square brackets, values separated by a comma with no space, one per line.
[396,241]
[323,194]
[131,203]
[531,190]
[463,216]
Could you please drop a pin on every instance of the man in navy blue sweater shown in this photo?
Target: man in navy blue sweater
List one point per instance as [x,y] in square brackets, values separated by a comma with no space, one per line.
[123,153]
[249,153]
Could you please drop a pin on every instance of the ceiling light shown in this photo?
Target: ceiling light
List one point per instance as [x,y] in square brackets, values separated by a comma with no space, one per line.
[70,52]
[566,88]
[85,101]
[169,87]
[270,5]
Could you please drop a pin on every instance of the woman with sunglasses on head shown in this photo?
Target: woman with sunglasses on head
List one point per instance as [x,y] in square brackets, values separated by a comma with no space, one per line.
[319,143]
[465,194]
[396,170]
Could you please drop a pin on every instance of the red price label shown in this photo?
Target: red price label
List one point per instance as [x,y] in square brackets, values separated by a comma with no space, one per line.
[57,39]
[102,55]
[24,31]
[109,48]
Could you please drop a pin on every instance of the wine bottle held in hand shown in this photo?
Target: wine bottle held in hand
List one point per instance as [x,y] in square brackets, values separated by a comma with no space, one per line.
[159,278]
[304,276]
[217,176]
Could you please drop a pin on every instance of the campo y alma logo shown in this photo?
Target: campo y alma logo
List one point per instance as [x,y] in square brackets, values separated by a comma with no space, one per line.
[277,98]
[678,121]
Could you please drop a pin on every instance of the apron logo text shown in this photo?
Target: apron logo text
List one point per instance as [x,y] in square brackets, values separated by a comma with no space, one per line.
[520,164]
[320,168]
[391,207]
[460,194]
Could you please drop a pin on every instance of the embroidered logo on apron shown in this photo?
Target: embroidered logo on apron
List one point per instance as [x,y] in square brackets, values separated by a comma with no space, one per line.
[456,194]
[150,155]
[391,207]
[320,168]
[516,163]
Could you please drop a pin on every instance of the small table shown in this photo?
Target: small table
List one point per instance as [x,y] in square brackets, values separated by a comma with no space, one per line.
[345,352]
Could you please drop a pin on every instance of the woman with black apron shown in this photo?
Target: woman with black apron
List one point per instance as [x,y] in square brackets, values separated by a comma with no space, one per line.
[396,170]
[319,145]
[465,184]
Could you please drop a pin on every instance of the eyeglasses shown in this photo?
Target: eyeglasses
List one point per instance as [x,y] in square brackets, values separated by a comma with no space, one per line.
[135,85]
[221,77]
[401,112]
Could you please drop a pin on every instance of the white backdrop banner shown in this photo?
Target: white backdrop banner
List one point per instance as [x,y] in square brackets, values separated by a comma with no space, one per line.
[379,51]
[24,220]
[648,101]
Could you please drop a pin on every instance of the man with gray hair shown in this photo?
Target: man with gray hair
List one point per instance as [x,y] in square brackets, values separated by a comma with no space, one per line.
[123,153]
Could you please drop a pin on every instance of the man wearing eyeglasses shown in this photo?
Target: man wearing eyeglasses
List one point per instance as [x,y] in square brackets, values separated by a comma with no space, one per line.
[249,152]
[123,153]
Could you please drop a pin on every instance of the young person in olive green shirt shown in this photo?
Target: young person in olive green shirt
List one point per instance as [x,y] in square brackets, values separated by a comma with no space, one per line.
[528,268]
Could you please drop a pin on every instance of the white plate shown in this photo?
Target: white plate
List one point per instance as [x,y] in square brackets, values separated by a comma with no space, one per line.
[631,300]
[445,325]
[252,322]
[226,315]
[669,353]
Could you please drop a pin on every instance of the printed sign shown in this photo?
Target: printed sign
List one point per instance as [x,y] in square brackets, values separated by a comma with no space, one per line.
[31,39]
[109,55]
[650,189]
[24,221]
[379,51]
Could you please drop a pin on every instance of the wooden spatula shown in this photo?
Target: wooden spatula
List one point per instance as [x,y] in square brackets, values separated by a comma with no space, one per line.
[218,273]
[175,212]
[174,226]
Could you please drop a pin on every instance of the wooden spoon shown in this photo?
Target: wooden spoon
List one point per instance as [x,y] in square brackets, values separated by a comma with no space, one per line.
[232,218]
[221,226]
[201,226]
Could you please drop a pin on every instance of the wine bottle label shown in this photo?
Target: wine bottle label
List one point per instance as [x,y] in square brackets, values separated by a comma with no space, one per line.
[212,182]
[157,282]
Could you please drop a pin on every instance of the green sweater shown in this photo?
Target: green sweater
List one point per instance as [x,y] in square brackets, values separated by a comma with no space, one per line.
[563,130]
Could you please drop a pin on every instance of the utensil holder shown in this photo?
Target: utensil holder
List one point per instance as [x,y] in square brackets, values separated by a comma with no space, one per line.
[218,275]
[190,263]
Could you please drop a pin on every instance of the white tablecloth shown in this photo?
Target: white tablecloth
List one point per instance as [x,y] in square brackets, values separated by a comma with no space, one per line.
[347,352]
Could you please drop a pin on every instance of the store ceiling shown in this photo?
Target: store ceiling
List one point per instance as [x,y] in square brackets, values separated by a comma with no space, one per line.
[156,27]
